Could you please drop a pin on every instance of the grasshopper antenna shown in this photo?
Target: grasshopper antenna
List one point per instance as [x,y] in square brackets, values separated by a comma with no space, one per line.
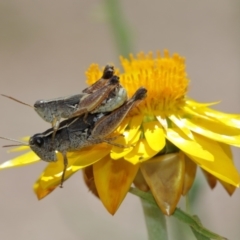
[16,100]
[14,140]
[14,145]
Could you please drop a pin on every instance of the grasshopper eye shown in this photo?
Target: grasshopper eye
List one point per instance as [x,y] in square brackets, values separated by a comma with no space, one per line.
[39,103]
[38,141]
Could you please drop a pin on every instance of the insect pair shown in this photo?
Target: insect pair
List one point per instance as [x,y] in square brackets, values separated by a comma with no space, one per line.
[90,122]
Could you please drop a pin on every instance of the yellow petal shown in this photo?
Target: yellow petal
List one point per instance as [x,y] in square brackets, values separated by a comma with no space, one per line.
[227,149]
[25,139]
[134,126]
[131,136]
[214,130]
[211,180]
[232,120]
[135,138]
[194,104]
[118,152]
[22,160]
[134,156]
[89,156]
[222,167]
[191,112]
[180,124]
[51,175]
[154,135]
[165,176]
[18,149]
[76,161]
[187,145]
[163,122]
[113,180]
[40,192]
[228,187]
[21,148]
[141,152]
[189,176]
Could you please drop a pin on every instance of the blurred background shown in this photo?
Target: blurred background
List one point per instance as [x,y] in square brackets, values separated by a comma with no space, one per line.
[45,49]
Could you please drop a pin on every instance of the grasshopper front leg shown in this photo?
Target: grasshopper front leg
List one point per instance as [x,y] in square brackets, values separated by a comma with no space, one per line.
[65,164]
[55,126]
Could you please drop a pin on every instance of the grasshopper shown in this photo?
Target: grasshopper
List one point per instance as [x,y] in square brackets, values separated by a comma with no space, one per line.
[105,98]
[75,134]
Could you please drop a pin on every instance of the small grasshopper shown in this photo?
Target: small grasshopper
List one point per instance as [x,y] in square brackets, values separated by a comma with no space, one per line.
[75,134]
[106,98]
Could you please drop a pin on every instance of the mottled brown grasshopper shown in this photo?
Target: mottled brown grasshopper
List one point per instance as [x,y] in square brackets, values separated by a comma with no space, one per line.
[104,96]
[74,134]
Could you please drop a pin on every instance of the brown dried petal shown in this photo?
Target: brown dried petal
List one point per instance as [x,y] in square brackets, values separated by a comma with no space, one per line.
[165,177]
[89,180]
[140,182]
[228,187]
[190,173]
[212,181]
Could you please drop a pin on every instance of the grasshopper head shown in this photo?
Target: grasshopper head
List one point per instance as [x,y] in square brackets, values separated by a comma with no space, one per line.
[43,110]
[41,145]
[108,72]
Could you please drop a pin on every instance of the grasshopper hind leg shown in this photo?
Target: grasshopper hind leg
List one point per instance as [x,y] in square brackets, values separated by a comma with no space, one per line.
[110,141]
[65,164]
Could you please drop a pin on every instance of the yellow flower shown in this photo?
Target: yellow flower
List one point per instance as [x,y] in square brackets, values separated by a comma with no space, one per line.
[171,134]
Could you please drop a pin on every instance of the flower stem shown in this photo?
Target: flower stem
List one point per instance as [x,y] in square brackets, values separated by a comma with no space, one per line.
[119,27]
[155,221]
[193,221]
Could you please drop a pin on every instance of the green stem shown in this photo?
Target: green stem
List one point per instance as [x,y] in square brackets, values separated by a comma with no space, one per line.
[193,221]
[119,27]
[155,221]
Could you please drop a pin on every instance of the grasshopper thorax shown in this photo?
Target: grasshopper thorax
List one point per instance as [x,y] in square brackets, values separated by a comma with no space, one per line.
[43,147]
